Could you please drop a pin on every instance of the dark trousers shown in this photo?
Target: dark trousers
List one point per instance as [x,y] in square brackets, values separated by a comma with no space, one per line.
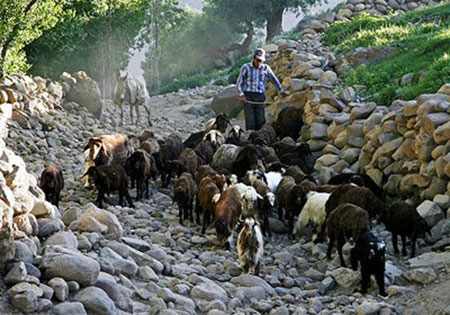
[254,113]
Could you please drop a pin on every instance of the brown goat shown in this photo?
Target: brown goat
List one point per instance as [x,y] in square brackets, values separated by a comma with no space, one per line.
[228,211]
[108,149]
[292,198]
[187,161]
[185,191]
[346,221]
[51,183]
[265,205]
[207,196]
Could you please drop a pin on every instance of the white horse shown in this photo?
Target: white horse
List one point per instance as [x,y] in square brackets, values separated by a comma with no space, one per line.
[133,92]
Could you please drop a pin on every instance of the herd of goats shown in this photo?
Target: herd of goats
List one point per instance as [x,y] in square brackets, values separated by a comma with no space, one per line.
[236,184]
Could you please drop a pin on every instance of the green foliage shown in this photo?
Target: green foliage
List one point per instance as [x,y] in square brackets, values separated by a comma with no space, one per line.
[422,39]
[95,38]
[219,76]
[21,22]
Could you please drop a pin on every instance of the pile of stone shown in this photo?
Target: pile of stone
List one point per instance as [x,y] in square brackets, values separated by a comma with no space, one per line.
[351,8]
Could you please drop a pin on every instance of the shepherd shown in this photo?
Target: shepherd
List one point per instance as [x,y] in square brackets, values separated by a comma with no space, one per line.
[251,85]
[133,92]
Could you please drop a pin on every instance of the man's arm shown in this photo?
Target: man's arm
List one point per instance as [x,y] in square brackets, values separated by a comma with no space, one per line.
[274,79]
[240,80]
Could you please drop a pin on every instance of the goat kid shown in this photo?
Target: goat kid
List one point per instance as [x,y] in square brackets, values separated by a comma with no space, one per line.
[250,247]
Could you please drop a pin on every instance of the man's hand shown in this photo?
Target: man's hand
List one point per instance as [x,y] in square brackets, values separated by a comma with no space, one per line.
[241,98]
[283,94]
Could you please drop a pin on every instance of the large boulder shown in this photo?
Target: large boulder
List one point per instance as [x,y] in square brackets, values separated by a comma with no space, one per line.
[226,102]
[86,93]
[69,264]
[363,55]
[96,301]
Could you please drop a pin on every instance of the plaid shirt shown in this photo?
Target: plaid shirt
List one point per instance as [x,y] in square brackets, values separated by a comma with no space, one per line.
[253,79]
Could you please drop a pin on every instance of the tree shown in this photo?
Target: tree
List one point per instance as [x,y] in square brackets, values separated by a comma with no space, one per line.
[21,22]
[96,38]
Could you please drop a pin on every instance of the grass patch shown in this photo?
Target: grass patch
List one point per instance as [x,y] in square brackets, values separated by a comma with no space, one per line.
[422,39]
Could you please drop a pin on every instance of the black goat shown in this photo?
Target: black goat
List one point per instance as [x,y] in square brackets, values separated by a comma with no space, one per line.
[108,178]
[370,251]
[360,180]
[403,219]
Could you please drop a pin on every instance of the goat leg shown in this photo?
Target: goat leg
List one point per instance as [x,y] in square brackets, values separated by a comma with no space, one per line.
[100,197]
[365,278]
[404,253]
[146,188]
[138,114]
[121,114]
[127,195]
[413,245]
[121,198]
[379,277]
[131,113]
[330,247]
[394,243]
[340,244]
[197,209]
[180,213]
[205,220]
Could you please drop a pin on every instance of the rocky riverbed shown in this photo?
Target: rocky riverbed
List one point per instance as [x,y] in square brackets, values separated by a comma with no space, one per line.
[142,261]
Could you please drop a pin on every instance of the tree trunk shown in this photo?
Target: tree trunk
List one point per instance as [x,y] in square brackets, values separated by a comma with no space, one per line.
[245,46]
[155,62]
[274,24]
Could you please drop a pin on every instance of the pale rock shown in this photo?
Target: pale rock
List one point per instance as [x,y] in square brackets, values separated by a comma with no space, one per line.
[63,238]
[346,277]
[421,275]
[25,302]
[67,308]
[69,264]
[60,288]
[96,301]
[431,212]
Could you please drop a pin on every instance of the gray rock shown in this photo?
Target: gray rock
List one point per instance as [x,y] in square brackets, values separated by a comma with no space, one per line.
[247,280]
[226,102]
[421,275]
[63,238]
[431,212]
[25,302]
[326,285]
[394,290]
[23,252]
[87,94]
[181,302]
[48,291]
[22,287]
[67,308]
[346,277]
[368,308]
[282,310]
[113,263]
[247,294]
[60,288]
[145,260]
[73,286]
[147,274]
[430,260]
[69,264]
[44,305]
[209,291]
[95,300]
[17,274]
[216,305]
[138,244]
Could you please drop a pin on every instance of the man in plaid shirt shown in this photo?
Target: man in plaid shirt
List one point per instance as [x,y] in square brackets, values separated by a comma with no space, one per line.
[251,85]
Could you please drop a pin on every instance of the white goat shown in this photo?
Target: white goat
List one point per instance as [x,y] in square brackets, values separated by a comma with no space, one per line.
[313,211]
